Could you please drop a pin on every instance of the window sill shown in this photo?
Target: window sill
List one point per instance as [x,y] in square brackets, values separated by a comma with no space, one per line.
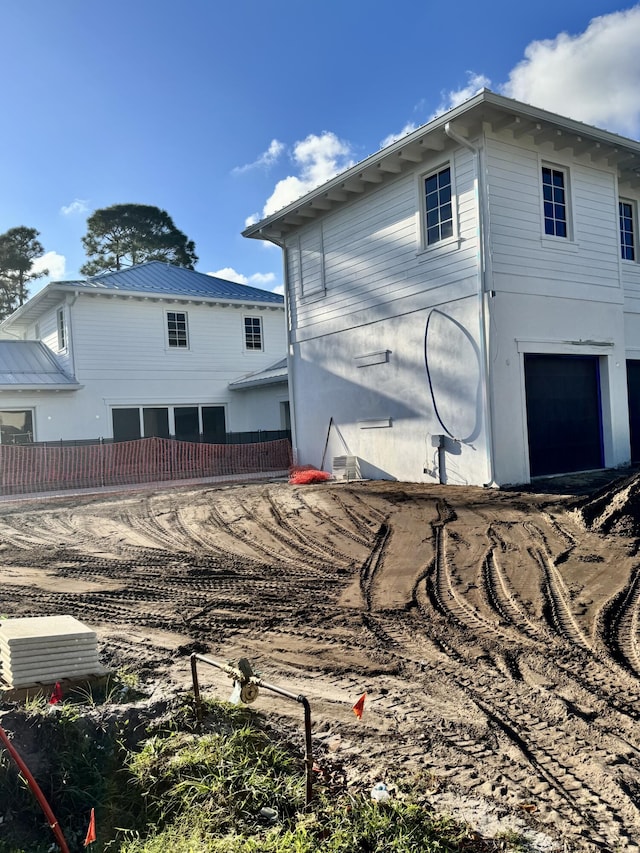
[314,296]
[449,245]
[560,243]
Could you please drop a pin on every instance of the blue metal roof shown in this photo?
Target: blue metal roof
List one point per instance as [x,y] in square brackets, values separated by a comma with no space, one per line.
[169,280]
[29,364]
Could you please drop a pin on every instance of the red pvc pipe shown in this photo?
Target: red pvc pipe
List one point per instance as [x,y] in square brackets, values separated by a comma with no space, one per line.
[35,788]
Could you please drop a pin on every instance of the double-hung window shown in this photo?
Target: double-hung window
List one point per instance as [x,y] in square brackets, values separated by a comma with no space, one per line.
[438,206]
[177,329]
[627,230]
[253,333]
[555,201]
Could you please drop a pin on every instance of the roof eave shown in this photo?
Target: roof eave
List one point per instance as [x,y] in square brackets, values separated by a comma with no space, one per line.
[39,388]
[246,385]
[389,160]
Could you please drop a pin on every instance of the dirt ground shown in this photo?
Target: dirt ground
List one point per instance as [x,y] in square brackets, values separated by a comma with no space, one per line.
[495,633]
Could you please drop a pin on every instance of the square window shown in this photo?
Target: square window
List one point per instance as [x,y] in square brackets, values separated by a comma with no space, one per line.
[554,194]
[177,330]
[253,333]
[438,206]
[627,230]
[16,427]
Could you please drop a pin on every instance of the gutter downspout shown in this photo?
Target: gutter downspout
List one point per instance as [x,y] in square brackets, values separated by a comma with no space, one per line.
[290,358]
[483,314]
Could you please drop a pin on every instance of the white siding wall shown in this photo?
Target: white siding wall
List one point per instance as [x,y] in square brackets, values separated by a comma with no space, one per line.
[379,289]
[48,326]
[552,295]
[122,358]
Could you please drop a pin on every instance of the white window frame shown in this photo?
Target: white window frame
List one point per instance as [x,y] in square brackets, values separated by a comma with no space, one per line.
[61,327]
[446,242]
[634,225]
[553,239]
[177,347]
[247,332]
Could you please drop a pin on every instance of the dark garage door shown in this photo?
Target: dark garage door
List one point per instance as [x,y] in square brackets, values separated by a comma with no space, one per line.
[563,413]
[633,386]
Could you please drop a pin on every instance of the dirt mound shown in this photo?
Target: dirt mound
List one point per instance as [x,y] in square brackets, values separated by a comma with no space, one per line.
[615,509]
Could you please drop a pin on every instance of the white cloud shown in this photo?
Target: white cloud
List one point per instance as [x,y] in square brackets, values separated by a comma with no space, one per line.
[409,127]
[455,97]
[266,159]
[593,76]
[318,158]
[77,206]
[229,274]
[51,261]
[258,279]
[262,279]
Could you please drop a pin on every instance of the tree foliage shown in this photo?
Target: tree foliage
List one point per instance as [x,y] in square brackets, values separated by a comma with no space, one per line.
[19,247]
[126,234]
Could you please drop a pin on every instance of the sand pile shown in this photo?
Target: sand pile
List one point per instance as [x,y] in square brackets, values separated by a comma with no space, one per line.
[615,509]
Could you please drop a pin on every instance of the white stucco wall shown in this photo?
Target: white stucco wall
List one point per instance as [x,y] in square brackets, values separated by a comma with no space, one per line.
[372,381]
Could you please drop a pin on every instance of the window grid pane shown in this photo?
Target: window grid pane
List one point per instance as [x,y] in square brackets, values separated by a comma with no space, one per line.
[627,237]
[439,209]
[177,329]
[555,202]
[253,332]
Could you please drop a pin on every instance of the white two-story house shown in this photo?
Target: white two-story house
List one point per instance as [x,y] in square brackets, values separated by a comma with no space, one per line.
[153,350]
[465,304]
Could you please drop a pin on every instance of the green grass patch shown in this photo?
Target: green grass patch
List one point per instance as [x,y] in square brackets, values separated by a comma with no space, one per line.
[161,785]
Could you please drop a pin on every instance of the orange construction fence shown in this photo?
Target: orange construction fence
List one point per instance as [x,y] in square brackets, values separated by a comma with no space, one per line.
[25,468]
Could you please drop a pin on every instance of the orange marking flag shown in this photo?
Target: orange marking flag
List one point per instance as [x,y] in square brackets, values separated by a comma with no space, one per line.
[358,708]
[56,696]
[91,832]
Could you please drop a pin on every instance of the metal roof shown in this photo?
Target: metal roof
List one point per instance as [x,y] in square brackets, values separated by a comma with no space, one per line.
[155,280]
[467,120]
[169,280]
[29,365]
[273,375]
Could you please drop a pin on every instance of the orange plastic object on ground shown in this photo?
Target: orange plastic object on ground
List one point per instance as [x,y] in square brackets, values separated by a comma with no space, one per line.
[308,475]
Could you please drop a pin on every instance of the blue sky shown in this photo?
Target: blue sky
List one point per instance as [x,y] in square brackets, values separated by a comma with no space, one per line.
[221,111]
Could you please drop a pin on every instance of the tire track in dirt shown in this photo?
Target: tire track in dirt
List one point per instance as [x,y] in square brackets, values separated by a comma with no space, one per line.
[619,625]
[464,633]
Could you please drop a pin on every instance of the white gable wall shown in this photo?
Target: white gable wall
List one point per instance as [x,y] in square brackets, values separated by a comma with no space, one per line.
[359,323]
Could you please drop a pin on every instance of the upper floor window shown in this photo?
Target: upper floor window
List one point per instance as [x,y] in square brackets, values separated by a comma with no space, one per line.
[62,330]
[177,329]
[253,333]
[438,206]
[627,231]
[554,194]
